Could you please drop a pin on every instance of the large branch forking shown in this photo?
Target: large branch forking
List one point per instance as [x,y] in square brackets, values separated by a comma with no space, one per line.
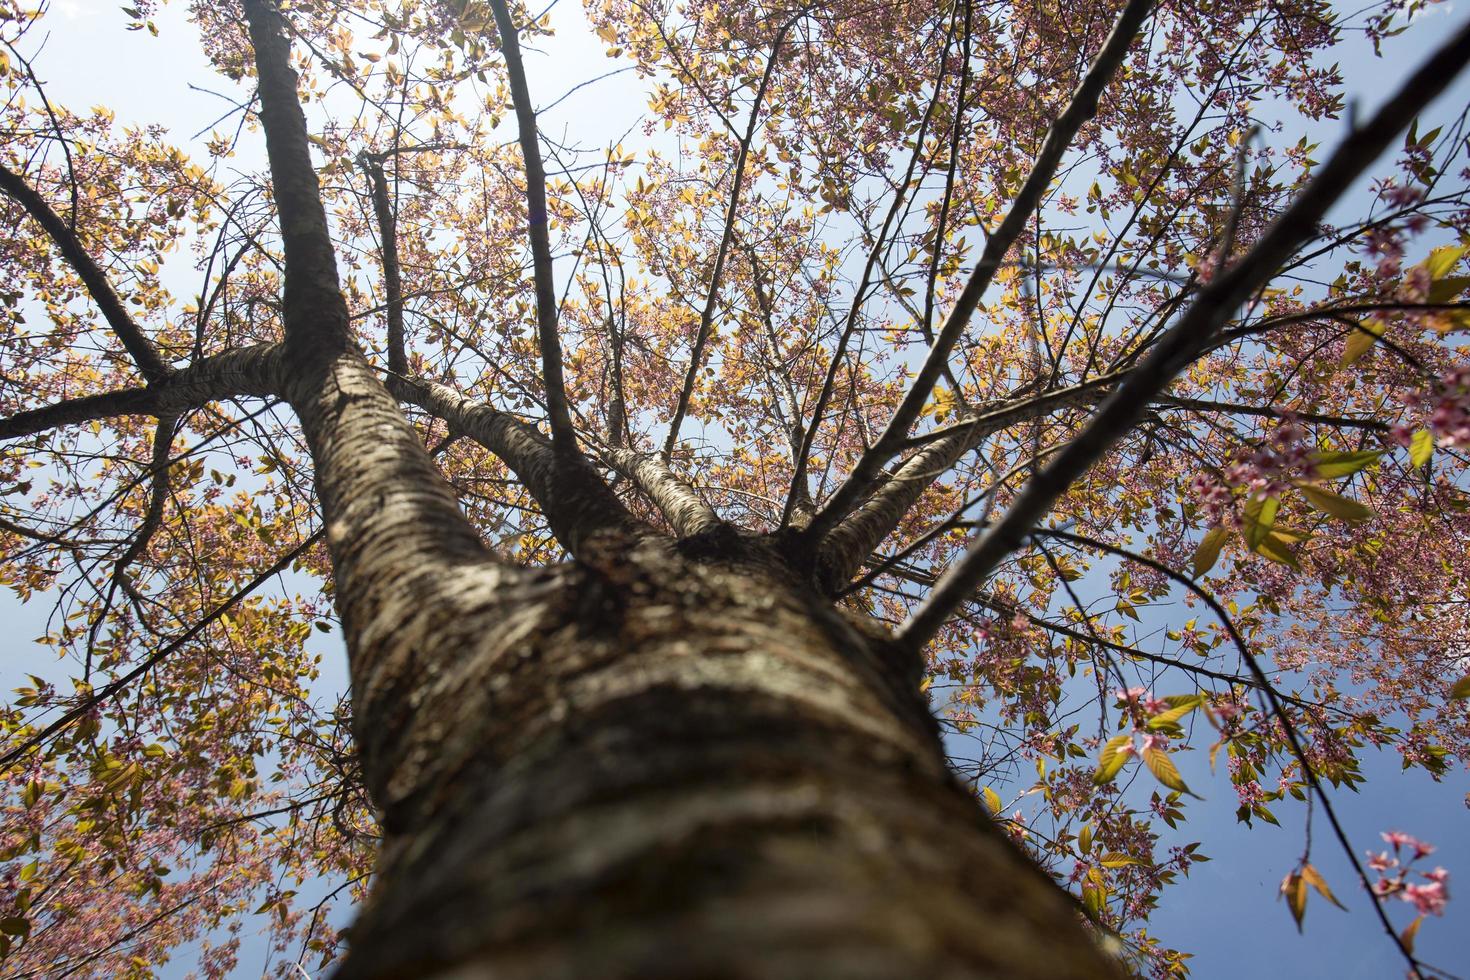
[137,344]
[575,500]
[1082,107]
[1214,306]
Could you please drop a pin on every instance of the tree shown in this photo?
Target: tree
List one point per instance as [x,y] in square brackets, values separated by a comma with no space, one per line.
[991,322]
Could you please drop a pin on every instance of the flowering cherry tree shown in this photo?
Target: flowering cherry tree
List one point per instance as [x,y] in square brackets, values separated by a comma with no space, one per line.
[747,537]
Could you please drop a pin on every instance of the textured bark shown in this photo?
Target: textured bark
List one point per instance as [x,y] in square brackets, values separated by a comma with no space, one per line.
[571,494]
[679,503]
[657,761]
[662,764]
[248,371]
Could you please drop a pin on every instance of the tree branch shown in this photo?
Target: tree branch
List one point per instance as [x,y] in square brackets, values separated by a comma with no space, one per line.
[712,295]
[562,434]
[1082,107]
[572,495]
[679,503]
[248,371]
[138,346]
[372,165]
[1216,303]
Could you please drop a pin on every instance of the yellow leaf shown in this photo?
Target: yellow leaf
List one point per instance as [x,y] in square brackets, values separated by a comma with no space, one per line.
[1117,859]
[1208,551]
[1421,447]
[1276,546]
[1361,340]
[1294,889]
[1111,759]
[1411,931]
[1166,719]
[1330,466]
[1461,690]
[1314,878]
[1260,515]
[992,799]
[1443,259]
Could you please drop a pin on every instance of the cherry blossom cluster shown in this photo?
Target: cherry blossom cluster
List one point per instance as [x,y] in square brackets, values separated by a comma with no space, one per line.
[1385,242]
[1449,410]
[1265,472]
[1428,897]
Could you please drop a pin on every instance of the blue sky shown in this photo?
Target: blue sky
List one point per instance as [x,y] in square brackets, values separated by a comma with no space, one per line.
[1227,912]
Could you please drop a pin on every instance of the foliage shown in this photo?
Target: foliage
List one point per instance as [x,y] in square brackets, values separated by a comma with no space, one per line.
[751,280]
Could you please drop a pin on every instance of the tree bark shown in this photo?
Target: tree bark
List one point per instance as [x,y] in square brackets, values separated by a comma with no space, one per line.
[659,760]
[679,761]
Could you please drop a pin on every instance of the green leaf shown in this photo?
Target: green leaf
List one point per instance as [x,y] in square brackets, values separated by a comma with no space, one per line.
[1421,447]
[1260,515]
[1330,466]
[1277,547]
[1461,690]
[1084,839]
[1111,759]
[1164,771]
[1208,551]
[14,925]
[1337,505]
[1117,859]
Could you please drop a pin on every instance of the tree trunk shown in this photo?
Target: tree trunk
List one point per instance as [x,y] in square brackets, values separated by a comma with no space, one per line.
[677,761]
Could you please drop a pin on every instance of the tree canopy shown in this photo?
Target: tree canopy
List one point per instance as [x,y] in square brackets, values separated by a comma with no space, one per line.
[1043,335]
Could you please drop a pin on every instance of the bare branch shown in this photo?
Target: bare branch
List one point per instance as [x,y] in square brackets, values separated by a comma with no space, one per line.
[372,165]
[138,346]
[562,434]
[1217,302]
[1059,137]
[875,254]
[712,295]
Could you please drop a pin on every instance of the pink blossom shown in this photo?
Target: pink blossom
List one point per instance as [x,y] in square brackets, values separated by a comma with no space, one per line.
[1381,861]
[1397,838]
[1429,899]
[1415,287]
